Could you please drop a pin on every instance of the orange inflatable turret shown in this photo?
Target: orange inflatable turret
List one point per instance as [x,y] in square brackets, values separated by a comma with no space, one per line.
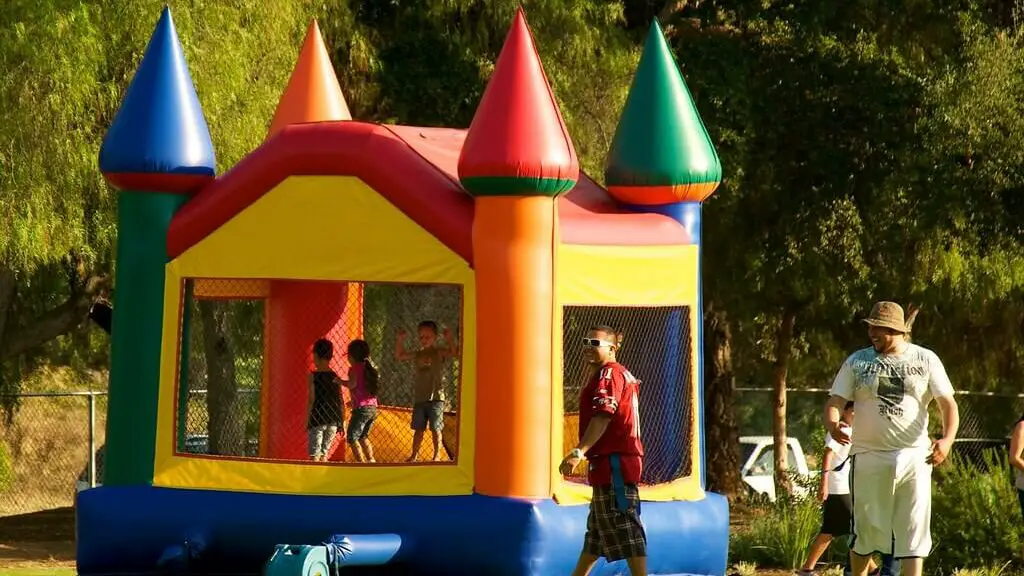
[516,160]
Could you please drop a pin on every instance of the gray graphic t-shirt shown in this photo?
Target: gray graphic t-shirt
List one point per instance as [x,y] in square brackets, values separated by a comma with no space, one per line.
[891,395]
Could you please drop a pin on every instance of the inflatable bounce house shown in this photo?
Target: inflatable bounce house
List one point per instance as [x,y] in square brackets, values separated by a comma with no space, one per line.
[493,232]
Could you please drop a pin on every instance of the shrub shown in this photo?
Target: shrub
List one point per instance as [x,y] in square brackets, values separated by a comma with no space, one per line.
[976,520]
[976,523]
[779,533]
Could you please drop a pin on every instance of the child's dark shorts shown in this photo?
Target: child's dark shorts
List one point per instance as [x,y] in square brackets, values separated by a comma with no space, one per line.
[428,413]
[613,533]
[837,515]
[360,423]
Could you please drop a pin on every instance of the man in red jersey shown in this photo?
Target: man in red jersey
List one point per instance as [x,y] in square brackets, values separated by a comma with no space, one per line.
[610,441]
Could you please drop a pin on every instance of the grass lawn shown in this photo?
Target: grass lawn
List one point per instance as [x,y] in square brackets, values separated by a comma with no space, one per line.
[37,572]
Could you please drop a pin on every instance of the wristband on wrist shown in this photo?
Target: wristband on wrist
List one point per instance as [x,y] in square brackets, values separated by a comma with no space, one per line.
[576,453]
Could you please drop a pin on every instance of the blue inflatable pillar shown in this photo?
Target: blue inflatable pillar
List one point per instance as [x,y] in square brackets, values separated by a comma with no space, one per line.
[662,161]
[669,440]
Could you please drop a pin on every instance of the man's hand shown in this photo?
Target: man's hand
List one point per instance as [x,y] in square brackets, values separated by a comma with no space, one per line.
[823,492]
[569,463]
[402,334]
[940,451]
[447,333]
[840,432]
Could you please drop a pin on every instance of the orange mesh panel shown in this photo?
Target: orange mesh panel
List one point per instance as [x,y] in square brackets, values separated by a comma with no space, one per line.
[227,289]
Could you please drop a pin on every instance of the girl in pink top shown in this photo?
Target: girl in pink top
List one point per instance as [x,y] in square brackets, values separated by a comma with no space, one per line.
[363,381]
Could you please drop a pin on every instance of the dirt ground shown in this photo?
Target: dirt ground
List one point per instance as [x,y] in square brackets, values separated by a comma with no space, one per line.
[38,540]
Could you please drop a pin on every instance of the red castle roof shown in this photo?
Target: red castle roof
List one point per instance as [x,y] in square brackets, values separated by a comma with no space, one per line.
[518,143]
[416,170]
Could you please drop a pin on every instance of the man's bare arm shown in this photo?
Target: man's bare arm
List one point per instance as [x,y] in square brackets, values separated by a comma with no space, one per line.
[833,411]
[1017,446]
[950,417]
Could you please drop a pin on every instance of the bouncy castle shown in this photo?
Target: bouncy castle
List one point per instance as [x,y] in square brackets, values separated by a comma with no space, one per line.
[339,229]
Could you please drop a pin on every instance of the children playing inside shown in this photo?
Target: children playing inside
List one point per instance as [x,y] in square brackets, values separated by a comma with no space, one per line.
[324,410]
[363,381]
[428,387]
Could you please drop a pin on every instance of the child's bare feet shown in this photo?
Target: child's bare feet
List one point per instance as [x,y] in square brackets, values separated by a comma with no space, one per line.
[372,461]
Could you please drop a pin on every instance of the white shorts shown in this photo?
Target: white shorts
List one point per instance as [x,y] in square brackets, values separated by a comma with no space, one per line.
[892,503]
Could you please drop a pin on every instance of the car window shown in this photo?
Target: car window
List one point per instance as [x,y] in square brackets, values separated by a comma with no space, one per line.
[765,463]
[746,451]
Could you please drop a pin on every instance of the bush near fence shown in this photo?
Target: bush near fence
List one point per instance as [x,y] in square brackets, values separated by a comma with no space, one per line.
[976,523]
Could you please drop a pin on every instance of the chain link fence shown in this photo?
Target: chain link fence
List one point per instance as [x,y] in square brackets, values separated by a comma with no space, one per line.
[48,446]
[46,443]
[986,420]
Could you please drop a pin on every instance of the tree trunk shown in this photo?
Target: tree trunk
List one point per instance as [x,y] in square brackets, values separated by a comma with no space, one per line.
[721,431]
[783,349]
[226,424]
[8,286]
[8,289]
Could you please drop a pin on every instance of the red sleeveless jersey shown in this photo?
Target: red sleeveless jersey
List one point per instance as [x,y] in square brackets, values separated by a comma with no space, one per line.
[613,391]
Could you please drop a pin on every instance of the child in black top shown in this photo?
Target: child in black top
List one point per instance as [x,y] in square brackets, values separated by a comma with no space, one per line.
[325,413]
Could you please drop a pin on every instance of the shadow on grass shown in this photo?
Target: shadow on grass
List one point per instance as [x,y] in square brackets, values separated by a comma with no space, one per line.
[46,538]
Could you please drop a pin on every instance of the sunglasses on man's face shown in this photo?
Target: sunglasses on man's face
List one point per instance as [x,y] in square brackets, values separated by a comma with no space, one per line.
[596,343]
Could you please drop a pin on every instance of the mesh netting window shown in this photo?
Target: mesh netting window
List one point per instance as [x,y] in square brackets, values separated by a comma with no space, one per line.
[247,359]
[657,349]
[224,364]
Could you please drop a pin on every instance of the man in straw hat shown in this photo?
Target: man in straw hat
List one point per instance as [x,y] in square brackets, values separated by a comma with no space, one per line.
[891,383]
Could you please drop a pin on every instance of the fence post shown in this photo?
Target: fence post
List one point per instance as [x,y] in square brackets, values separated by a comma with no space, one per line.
[92,440]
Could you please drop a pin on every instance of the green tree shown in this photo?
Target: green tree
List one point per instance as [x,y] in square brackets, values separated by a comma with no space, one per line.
[428,63]
[56,224]
[967,264]
[65,66]
[850,136]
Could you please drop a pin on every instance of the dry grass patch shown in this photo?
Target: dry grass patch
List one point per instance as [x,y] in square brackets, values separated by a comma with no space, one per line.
[45,446]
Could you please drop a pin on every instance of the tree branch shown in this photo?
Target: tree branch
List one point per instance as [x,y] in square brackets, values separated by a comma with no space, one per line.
[670,10]
[56,321]
[669,14]
[912,312]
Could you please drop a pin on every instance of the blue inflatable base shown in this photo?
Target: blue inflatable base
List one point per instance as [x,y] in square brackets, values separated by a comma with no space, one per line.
[129,530]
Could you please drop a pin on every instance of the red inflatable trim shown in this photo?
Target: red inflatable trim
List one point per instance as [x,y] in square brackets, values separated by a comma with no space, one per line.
[413,168]
[369,152]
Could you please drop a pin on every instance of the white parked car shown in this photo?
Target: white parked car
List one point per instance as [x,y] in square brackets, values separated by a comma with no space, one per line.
[757,464]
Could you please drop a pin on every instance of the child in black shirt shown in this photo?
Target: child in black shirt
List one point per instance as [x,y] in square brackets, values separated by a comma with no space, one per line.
[325,410]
